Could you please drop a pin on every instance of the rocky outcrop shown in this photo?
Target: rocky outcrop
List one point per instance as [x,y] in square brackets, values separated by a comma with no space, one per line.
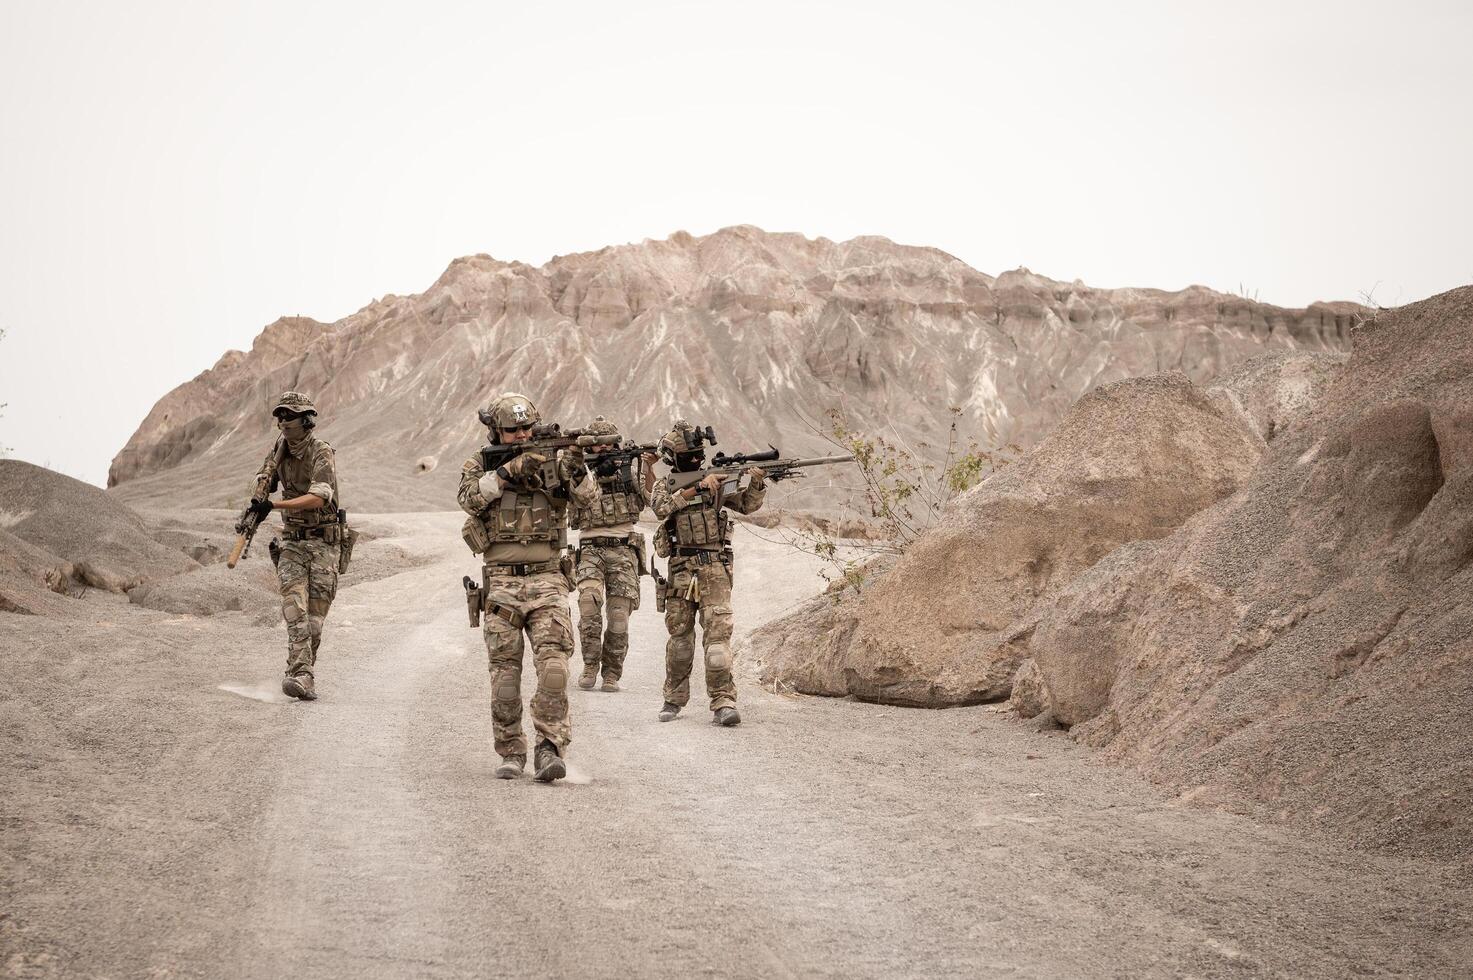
[759,334]
[952,622]
[1286,625]
[1308,643]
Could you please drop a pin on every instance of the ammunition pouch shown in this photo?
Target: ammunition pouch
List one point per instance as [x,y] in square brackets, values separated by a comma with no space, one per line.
[477,536]
[699,524]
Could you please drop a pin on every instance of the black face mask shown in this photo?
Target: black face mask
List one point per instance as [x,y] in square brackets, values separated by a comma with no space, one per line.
[685,462]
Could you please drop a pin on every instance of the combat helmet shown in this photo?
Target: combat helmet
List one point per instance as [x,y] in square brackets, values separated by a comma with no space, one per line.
[295,402]
[510,411]
[601,426]
[684,439]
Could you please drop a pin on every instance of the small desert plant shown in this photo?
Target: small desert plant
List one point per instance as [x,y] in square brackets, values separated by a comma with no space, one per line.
[903,492]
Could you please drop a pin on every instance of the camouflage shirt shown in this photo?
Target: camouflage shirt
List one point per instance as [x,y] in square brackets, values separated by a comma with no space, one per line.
[311,469]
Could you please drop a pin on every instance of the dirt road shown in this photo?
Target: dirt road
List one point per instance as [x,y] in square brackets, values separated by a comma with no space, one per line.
[156,823]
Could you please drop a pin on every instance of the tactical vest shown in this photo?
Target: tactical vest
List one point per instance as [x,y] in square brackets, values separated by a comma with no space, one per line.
[699,526]
[523,516]
[295,475]
[618,503]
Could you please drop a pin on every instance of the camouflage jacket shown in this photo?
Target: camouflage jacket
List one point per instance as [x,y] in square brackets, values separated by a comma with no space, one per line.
[311,469]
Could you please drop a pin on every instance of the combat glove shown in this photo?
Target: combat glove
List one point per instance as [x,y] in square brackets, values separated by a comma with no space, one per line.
[522,466]
[262,507]
[571,464]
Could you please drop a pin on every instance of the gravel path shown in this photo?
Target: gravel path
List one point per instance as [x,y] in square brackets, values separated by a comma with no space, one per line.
[157,824]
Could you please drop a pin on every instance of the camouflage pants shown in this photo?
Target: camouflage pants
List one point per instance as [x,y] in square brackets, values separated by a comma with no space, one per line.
[611,571]
[705,590]
[538,605]
[307,573]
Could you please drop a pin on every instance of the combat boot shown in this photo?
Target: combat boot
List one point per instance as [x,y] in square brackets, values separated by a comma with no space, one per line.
[589,676]
[299,686]
[610,683]
[726,717]
[550,764]
[669,712]
[511,766]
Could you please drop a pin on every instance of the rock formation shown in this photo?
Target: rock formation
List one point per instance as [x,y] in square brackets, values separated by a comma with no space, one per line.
[758,334]
[62,535]
[1131,461]
[1267,597]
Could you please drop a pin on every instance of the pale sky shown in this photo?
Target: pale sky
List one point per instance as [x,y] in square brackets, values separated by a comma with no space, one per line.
[174,176]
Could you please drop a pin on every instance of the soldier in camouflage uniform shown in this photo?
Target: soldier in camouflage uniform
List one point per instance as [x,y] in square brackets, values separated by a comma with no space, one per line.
[696,533]
[610,561]
[518,524]
[306,555]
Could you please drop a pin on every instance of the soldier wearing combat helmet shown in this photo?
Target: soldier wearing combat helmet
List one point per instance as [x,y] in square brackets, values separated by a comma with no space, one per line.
[610,560]
[518,524]
[696,534]
[306,555]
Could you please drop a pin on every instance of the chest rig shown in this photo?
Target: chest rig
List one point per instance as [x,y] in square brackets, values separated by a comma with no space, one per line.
[618,503]
[524,513]
[295,474]
[700,524]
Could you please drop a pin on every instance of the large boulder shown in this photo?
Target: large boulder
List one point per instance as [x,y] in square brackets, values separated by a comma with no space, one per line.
[952,622]
[1308,643]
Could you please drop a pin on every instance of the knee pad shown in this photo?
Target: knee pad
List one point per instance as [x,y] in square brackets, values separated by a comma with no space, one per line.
[507,686]
[588,603]
[619,609]
[554,678]
[718,656]
[681,650]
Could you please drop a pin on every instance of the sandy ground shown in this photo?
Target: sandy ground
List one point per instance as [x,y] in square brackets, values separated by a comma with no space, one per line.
[166,812]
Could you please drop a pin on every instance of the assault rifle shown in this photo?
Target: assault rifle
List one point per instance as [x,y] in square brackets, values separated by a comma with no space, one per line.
[731,468]
[546,439]
[249,520]
[605,461]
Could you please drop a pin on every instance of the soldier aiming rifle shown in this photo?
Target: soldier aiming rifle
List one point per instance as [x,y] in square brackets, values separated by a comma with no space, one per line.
[611,552]
[695,534]
[517,491]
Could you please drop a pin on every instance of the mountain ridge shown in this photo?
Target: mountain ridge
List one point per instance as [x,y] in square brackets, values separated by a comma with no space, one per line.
[760,333]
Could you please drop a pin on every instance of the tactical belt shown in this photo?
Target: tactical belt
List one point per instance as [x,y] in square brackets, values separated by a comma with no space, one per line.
[303,533]
[704,556]
[603,542]
[529,568]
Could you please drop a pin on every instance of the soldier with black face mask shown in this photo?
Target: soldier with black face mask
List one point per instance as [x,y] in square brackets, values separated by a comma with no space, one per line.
[307,554]
[696,535]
